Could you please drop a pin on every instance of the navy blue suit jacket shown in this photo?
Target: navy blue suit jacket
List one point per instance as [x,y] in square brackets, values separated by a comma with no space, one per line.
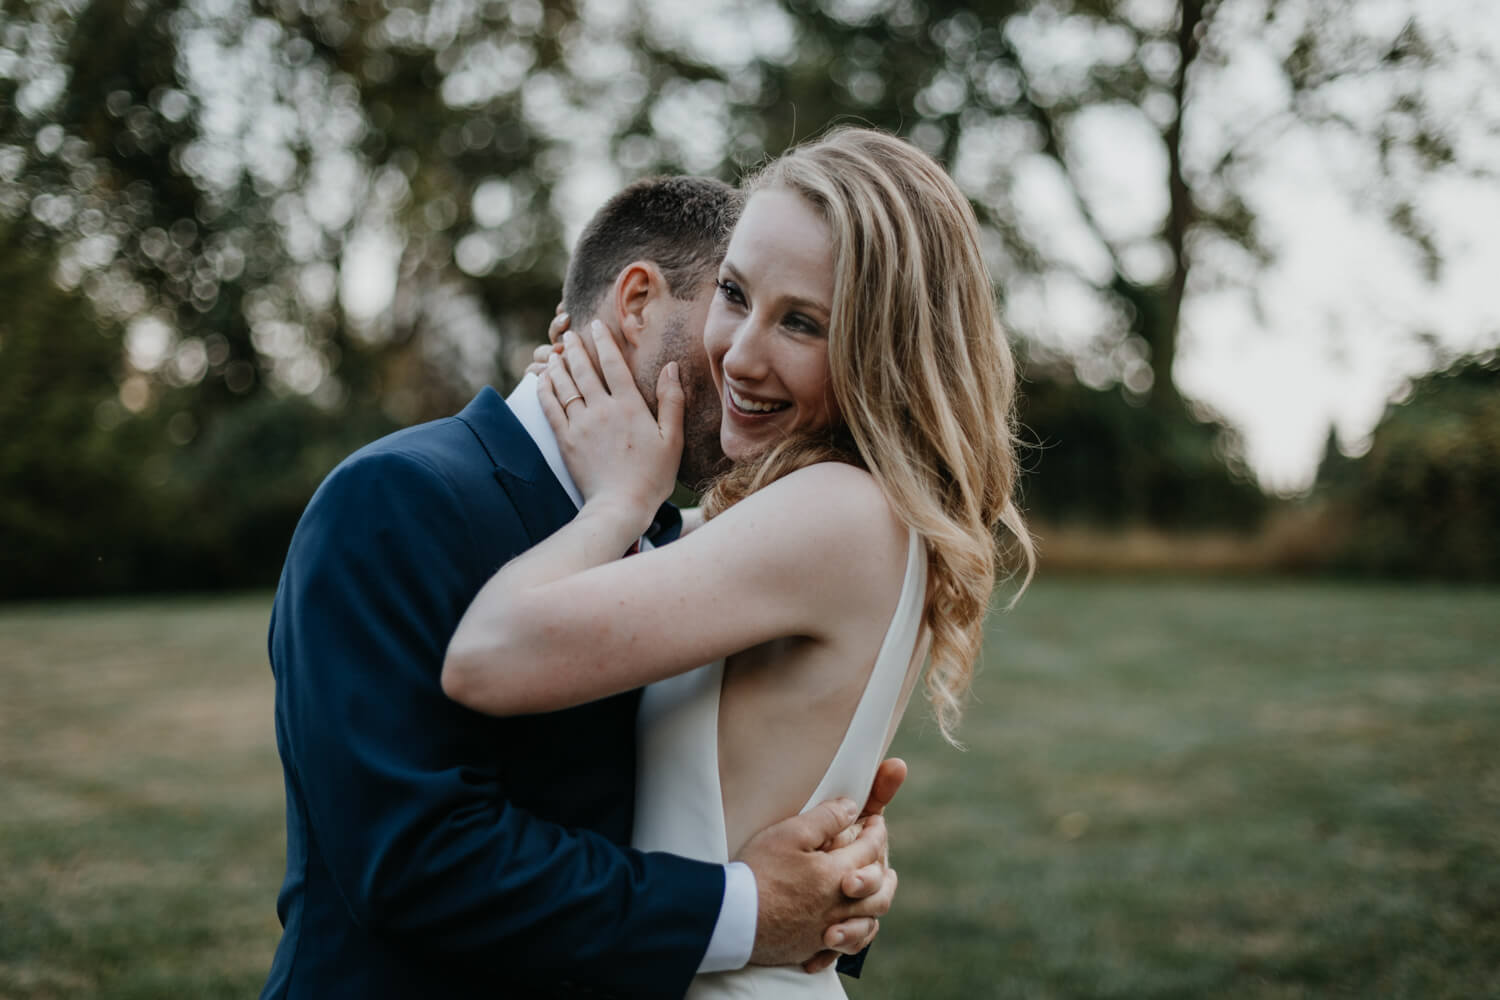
[433,851]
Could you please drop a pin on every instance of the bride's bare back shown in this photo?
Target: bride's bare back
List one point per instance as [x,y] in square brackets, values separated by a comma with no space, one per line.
[786,704]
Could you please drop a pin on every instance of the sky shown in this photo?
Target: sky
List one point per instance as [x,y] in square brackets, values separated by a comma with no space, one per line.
[1343,300]
[1335,344]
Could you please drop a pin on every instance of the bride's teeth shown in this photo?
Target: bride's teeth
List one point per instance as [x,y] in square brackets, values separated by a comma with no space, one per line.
[751,406]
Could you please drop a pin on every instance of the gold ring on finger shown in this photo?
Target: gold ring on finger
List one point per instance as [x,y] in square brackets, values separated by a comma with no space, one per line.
[570,400]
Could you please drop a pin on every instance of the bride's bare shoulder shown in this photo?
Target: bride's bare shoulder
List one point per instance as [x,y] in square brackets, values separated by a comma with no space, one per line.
[829,509]
[823,489]
[838,487]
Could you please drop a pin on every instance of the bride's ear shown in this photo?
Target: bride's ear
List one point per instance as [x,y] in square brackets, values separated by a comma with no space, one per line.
[636,289]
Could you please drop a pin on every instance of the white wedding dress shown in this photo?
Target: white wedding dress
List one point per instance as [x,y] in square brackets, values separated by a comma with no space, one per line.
[679,804]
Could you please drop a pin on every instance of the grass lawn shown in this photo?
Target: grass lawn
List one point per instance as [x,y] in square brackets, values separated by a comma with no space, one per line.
[1172,789]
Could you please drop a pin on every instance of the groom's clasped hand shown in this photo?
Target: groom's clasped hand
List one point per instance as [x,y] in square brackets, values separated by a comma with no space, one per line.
[834,844]
[796,876]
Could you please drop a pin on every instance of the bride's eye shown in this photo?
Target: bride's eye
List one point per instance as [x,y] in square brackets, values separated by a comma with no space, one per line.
[799,323]
[731,292]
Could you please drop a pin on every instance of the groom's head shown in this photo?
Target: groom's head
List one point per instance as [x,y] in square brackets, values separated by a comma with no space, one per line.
[645,267]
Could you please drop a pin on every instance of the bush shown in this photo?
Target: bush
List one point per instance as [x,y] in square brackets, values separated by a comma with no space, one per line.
[1102,460]
[72,516]
[1425,500]
[248,478]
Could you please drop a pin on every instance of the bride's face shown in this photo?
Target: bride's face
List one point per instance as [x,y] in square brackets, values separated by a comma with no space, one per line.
[767,329]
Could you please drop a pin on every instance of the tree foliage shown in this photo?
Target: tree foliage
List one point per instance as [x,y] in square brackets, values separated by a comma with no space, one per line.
[292,221]
[1062,101]
[1101,459]
[1422,501]
[71,494]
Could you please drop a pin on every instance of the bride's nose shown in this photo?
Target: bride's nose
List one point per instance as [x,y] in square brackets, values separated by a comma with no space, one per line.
[747,359]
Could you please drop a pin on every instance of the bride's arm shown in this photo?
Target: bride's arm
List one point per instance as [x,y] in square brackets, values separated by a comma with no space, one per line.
[548,632]
[569,621]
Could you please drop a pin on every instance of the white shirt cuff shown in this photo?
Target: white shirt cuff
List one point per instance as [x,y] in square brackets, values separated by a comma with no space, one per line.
[734,935]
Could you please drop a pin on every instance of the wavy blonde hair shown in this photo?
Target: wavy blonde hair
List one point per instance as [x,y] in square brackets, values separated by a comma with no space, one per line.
[923,375]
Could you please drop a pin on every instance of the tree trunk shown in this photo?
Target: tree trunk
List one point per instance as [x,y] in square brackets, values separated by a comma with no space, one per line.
[1163,332]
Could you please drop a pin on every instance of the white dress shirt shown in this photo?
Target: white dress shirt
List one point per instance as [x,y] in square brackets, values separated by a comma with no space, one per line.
[734,934]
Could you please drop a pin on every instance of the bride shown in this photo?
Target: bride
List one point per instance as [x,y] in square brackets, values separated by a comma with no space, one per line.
[868,403]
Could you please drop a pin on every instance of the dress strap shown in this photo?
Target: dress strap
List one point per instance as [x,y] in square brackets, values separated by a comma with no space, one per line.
[853,767]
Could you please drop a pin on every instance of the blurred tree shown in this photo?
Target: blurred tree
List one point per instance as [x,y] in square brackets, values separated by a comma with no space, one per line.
[1422,501]
[1113,150]
[248,479]
[365,206]
[72,510]
[1105,460]
[267,166]
[1062,103]
[256,202]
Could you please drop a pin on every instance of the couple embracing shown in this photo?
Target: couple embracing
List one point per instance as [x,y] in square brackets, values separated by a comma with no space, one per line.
[520,764]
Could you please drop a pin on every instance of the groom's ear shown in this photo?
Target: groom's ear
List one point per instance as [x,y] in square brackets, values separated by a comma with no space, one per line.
[636,289]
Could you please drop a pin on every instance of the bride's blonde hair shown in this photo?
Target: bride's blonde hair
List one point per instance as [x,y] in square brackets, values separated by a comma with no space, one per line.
[923,376]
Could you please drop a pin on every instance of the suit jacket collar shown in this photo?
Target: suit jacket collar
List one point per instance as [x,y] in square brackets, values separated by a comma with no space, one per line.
[526,403]
[539,499]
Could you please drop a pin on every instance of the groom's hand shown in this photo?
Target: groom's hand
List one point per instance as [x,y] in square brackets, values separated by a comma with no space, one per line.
[889,778]
[800,884]
[872,879]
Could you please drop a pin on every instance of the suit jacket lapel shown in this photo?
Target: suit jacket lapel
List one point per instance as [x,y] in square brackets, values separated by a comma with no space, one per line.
[539,499]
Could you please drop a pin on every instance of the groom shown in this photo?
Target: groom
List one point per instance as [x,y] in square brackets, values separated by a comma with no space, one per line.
[435,852]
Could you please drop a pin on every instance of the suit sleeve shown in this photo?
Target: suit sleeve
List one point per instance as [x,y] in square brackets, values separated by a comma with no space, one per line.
[401,790]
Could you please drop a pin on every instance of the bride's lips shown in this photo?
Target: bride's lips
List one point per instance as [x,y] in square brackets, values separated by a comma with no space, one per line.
[750,408]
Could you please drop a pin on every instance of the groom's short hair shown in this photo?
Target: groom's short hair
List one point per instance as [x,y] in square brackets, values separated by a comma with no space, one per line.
[680,223]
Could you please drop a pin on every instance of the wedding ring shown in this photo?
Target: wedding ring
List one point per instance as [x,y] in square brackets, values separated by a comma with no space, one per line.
[571,399]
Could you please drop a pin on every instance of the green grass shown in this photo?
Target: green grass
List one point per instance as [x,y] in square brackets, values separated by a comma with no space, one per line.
[1211,789]
[1172,789]
[141,833]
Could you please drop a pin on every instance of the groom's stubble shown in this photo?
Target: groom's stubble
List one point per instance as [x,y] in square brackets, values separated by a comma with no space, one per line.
[702,456]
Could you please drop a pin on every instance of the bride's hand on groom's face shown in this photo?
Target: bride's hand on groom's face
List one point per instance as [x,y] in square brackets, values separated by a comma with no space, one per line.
[540,357]
[543,354]
[617,452]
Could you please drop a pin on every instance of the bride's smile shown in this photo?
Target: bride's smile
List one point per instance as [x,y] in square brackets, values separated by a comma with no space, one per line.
[767,329]
[749,405]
